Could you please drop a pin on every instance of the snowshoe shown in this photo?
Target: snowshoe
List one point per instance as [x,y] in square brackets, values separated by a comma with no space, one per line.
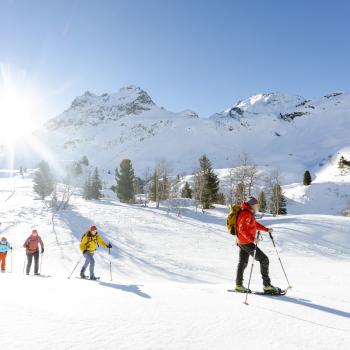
[271,290]
[94,278]
[242,289]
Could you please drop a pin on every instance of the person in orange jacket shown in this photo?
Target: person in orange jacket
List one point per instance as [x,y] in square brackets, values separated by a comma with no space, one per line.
[247,241]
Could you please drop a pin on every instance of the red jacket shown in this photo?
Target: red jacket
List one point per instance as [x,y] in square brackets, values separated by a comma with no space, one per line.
[247,225]
[32,244]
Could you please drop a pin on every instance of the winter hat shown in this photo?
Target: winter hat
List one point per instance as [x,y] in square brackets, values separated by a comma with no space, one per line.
[93,228]
[252,201]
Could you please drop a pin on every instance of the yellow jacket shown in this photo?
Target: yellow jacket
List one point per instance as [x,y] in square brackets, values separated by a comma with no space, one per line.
[89,242]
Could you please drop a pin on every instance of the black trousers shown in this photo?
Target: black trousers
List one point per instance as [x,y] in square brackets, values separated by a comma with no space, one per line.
[244,251]
[30,257]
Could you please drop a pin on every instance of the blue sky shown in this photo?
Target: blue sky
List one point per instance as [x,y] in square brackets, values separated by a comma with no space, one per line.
[203,55]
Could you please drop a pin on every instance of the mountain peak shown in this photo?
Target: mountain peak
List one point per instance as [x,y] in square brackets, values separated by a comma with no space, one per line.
[133,93]
[273,103]
[92,109]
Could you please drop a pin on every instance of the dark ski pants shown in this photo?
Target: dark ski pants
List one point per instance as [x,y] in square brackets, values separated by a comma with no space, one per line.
[89,260]
[30,257]
[244,251]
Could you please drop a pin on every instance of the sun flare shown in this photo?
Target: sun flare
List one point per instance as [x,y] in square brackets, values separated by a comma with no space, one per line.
[18,107]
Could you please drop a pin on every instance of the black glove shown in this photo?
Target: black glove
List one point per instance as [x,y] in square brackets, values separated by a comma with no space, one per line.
[109,246]
[42,251]
[84,252]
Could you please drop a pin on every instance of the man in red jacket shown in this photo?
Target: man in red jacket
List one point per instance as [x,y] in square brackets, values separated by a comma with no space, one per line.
[247,227]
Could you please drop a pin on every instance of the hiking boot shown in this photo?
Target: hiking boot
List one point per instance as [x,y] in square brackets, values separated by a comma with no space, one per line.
[82,274]
[241,289]
[93,278]
[272,290]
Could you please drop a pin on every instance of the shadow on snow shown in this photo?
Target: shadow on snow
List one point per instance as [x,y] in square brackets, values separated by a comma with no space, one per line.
[131,288]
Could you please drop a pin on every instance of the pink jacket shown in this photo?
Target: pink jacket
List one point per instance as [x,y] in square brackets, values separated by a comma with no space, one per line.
[32,244]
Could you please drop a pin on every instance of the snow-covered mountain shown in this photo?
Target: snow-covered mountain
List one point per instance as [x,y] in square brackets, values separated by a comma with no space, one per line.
[289,132]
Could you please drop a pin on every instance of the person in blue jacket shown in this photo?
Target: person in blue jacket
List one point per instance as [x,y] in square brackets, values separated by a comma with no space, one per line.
[4,248]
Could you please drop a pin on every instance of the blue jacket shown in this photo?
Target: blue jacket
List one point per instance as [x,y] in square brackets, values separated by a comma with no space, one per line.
[4,246]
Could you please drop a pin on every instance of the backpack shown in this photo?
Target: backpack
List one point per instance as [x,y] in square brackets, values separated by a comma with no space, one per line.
[90,238]
[232,219]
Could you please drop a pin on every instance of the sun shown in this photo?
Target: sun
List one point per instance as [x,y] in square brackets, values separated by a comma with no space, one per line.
[18,107]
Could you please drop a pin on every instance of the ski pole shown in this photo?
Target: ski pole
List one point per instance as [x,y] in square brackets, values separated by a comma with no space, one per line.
[110,262]
[11,259]
[74,268]
[251,271]
[24,264]
[273,242]
[41,262]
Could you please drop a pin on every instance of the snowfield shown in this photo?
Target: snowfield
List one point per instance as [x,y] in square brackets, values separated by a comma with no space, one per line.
[170,280]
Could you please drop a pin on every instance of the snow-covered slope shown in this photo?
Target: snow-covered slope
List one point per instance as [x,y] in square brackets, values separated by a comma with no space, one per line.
[329,192]
[287,132]
[170,276]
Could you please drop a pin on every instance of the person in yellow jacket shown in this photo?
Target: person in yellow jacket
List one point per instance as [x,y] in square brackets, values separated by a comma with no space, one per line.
[88,244]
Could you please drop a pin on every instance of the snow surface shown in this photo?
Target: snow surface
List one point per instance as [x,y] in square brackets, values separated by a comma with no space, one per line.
[170,280]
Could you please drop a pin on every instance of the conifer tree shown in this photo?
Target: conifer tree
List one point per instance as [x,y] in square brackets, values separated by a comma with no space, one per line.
[84,161]
[125,182]
[93,186]
[96,185]
[87,188]
[220,198]
[186,191]
[307,178]
[210,185]
[262,201]
[43,180]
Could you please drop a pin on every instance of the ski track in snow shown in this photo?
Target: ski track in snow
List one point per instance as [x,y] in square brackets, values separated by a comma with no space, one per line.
[170,281]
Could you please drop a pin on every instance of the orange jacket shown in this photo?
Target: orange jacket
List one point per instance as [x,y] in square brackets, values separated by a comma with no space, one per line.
[247,225]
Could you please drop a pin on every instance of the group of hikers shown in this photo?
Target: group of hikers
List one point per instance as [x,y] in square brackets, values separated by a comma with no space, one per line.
[34,245]
[241,222]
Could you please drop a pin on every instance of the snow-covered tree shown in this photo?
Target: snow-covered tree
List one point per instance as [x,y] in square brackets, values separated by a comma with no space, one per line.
[44,182]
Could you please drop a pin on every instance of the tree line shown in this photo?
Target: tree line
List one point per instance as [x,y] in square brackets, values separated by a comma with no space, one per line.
[157,185]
